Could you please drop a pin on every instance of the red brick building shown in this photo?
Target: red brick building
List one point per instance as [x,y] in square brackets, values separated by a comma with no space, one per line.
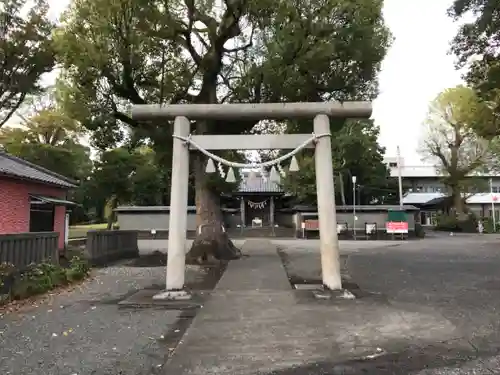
[32,198]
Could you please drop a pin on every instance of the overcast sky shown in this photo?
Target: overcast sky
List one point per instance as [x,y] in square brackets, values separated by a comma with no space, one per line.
[416,68]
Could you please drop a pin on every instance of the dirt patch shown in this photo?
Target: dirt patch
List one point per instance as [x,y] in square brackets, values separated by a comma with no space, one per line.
[296,279]
[155,259]
[204,277]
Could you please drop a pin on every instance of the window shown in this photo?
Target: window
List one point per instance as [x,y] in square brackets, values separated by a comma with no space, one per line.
[393,164]
[41,217]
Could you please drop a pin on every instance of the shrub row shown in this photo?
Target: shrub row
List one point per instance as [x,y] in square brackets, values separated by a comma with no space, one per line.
[451,223]
[38,278]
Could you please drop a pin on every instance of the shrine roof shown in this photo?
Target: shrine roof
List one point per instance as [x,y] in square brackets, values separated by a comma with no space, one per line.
[259,185]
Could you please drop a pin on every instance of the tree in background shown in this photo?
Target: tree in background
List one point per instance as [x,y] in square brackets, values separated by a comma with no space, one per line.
[356,152]
[124,176]
[452,143]
[121,52]
[52,140]
[25,52]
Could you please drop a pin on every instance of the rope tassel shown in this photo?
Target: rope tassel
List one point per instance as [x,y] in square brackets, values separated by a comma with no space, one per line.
[221,170]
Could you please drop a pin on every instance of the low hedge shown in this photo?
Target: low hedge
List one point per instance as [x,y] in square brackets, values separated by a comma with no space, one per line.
[39,278]
[451,223]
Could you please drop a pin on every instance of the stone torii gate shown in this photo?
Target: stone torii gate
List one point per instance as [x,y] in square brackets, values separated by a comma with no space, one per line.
[183,141]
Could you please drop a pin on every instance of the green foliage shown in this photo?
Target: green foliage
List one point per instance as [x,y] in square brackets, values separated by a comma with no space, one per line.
[52,140]
[451,223]
[127,176]
[452,142]
[25,52]
[356,152]
[41,278]
[78,269]
[476,47]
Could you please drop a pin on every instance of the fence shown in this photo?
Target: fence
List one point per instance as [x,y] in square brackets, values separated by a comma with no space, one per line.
[23,249]
[104,246]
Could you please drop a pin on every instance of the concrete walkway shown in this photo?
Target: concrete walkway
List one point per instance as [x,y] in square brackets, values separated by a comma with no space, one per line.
[256,324]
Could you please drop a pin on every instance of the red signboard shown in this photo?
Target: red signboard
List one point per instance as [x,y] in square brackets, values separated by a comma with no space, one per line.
[396,227]
[311,224]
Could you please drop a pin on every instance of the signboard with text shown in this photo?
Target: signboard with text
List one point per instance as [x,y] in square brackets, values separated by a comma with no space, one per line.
[396,227]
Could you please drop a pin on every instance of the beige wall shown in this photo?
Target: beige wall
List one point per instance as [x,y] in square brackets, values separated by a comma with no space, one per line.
[160,220]
[150,220]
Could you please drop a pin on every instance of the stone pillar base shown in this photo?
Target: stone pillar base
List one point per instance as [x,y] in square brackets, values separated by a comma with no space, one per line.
[173,295]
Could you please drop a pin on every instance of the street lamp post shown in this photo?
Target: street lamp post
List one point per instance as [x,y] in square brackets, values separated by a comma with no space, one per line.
[354,207]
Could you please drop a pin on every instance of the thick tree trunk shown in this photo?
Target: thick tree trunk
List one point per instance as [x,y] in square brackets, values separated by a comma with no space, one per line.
[458,202]
[212,241]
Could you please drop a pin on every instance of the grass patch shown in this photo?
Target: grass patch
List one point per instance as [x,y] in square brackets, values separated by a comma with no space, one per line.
[79,231]
[40,278]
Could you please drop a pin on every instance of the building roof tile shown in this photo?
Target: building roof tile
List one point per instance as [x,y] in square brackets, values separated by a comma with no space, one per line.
[15,167]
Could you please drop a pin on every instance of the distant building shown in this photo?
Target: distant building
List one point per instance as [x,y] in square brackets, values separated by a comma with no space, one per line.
[32,198]
[424,189]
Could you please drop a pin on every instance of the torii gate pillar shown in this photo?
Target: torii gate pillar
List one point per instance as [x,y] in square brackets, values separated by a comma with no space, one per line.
[325,190]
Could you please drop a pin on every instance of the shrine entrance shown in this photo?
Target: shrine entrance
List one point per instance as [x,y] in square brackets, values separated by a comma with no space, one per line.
[258,212]
[184,141]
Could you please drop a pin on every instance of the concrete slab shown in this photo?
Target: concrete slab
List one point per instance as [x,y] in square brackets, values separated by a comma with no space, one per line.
[253,324]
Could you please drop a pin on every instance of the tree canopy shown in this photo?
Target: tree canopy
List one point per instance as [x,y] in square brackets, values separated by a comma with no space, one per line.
[26,52]
[51,140]
[115,53]
[476,46]
[356,152]
[451,141]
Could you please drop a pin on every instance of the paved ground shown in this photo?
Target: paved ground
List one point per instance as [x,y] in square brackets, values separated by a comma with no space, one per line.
[431,307]
[451,283]
[83,332]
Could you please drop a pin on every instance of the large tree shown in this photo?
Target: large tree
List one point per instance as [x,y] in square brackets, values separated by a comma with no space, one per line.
[51,140]
[476,46]
[121,52]
[452,143]
[26,52]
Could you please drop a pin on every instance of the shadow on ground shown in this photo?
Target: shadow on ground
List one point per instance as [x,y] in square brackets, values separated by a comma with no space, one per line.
[431,359]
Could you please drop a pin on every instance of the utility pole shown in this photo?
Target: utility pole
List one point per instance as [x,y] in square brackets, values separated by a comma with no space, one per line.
[400,182]
[354,207]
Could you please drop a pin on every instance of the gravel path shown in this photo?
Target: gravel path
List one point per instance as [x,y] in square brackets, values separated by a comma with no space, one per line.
[84,332]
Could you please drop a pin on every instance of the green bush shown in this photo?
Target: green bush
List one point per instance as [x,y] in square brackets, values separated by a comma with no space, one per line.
[40,278]
[450,223]
[488,225]
[78,269]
